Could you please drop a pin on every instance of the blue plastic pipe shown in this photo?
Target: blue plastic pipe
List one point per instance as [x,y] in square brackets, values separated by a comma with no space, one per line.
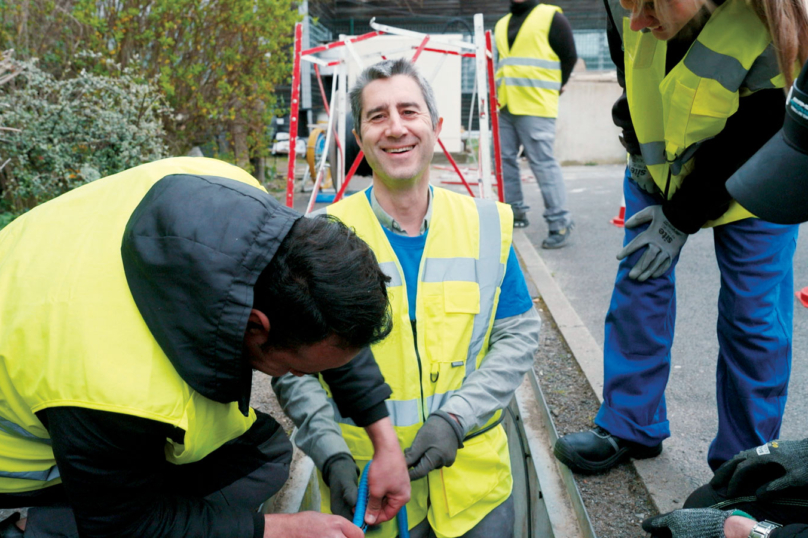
[362,505]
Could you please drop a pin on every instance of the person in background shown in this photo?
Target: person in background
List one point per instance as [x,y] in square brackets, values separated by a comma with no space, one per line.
[761,492]
[703,92]
[133,311]
[536,56]
[465,329]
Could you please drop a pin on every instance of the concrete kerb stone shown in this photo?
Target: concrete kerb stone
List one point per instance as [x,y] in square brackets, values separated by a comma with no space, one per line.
[664,484]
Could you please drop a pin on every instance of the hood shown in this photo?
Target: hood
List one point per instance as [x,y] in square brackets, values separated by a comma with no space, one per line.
[192,252]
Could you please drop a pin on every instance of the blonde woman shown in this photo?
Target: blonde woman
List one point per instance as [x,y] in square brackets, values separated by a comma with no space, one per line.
[704,91]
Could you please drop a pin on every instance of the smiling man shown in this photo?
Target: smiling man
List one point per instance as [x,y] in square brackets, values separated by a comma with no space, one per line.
[464,326]
[133,312]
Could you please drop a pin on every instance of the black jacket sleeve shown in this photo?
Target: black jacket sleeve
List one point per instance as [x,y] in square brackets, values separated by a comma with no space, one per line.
[791,531]
[359,389]
[562,42]
[621,116]
[114,471]
[703,195]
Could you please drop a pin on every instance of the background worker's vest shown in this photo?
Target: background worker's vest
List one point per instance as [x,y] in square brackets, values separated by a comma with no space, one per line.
[528,75]
[71,334]
[459,281]
[672,115]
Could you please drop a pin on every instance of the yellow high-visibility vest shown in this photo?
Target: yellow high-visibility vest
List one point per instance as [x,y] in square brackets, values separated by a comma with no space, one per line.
[672,115]
[459,283]
[71,334]
[528,76]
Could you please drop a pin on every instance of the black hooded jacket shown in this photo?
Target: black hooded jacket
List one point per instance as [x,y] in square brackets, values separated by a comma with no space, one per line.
[192,251]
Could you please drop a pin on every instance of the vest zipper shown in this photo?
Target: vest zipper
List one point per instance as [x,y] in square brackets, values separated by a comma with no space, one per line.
[420,367]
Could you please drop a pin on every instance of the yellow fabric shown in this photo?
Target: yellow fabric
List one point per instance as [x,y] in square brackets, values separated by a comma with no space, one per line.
[528,90]
[71,334]
[455,498]
[681,109]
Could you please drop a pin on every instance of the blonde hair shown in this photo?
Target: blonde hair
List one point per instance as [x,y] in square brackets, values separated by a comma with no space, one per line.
[787,21]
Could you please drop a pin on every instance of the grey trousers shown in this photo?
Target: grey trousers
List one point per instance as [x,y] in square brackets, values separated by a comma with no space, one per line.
[498,522]
[537,136]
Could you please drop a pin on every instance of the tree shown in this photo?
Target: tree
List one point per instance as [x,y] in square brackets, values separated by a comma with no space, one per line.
[217,61]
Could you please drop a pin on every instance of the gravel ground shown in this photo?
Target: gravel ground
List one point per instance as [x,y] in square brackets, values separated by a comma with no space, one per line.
[617,501]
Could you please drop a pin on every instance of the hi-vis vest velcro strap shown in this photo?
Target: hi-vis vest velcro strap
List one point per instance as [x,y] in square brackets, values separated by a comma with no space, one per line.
[528,75]
[675,113]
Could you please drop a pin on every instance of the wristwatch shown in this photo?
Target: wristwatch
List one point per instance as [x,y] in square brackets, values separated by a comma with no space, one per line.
[763,529]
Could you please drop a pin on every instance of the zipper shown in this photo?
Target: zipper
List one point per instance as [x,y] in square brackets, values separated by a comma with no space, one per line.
[740,500]
[420,368]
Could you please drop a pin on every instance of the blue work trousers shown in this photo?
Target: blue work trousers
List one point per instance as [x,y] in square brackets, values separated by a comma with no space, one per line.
[755,308]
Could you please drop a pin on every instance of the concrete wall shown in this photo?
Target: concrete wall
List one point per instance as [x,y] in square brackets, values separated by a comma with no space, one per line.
[584,130]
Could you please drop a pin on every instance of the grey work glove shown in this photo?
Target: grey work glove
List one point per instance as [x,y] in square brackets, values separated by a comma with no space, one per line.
[341,475]
[640,174]
[435,445]
[775,466]
[688,523]
[662,240]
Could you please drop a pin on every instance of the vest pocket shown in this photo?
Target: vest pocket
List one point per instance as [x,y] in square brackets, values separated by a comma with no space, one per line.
[477,470]
[452,315]
[713,100]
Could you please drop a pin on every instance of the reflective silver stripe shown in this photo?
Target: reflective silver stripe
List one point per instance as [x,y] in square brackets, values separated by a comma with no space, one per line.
[532,83]
[763,71]
[437,401]
[443,269]
[489,274]
[402,412]
[706,63]
[653,153]
[681,160]
[391,269]
[530,62]
[41,476]
[18,431]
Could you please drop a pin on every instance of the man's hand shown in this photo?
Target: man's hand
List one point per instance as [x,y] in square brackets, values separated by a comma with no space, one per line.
[662,240]
[341,476]
[388,482]
[768,469]
[435,445]
[640,174]
[689,523]
[309,525]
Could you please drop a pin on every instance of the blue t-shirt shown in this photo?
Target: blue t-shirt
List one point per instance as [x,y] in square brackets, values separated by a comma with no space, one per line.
[514,299]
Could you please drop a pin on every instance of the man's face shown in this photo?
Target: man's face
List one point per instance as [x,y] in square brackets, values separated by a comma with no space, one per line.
[664,18]
[396,131]
[323,355]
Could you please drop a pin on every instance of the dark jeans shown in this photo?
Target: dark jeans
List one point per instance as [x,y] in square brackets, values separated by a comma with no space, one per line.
[244,472]
[780,510]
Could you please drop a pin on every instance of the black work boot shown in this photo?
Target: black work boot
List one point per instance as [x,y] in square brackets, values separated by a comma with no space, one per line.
[520,217]
[596,451]
[558,238]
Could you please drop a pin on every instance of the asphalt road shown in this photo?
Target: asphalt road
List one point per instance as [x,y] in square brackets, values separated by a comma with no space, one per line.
[585,272]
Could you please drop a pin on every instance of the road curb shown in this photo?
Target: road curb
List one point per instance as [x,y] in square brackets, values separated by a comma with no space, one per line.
[665,487]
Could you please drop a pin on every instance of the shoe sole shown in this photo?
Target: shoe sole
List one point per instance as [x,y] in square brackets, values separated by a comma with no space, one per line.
[580,465]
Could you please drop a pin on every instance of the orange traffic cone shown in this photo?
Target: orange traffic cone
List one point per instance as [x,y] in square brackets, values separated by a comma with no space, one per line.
[802,295]
[620,219]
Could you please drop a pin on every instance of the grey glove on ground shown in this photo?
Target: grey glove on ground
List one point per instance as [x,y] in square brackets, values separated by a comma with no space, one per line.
[640,174]
[435,445]
[775,466]
[689,523]
[341,475]
[662,240]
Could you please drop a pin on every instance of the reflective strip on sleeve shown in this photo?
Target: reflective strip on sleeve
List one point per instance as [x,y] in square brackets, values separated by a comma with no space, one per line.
[18,431]
[763,71]
[41,476]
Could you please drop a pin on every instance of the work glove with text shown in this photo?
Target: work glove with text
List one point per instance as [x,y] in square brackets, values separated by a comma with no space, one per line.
[688,523]
[435,445]
[341,475]
[640,174]
[775,466]
[662,241]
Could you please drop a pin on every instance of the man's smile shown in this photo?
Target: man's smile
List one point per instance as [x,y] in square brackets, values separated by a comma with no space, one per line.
[402,149]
